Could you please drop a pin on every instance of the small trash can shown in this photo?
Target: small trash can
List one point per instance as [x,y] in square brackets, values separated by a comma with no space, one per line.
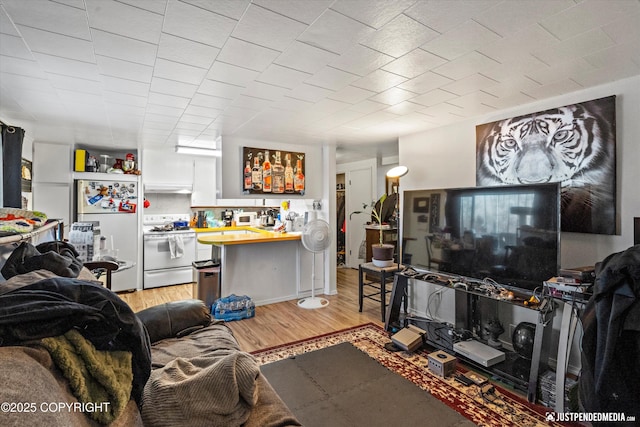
[207,286]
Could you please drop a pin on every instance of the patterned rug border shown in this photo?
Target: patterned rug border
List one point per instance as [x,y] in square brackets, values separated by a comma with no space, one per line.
[509,409]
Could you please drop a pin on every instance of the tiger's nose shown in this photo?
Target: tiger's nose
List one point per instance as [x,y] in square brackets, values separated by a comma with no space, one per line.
[535,169]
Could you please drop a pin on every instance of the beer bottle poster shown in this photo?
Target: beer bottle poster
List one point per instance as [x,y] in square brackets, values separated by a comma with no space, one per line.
[274,172]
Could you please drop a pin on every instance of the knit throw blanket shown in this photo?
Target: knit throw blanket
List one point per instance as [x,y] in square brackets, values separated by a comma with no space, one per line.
[210,390]
[102,377]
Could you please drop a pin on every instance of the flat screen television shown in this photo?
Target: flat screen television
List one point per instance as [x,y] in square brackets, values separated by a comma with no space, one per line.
[507,233]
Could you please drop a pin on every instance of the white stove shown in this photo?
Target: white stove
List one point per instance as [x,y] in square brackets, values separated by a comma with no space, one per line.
[168,253]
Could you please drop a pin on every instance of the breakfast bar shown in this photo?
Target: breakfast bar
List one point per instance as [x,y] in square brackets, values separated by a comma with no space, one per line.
[268,266]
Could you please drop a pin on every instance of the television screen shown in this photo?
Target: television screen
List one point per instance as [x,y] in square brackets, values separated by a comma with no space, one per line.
[507,233]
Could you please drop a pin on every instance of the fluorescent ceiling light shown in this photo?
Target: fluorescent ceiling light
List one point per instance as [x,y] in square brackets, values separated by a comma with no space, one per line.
[184,149]
[397,172]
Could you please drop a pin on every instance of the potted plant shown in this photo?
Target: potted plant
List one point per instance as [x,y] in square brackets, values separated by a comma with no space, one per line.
[382,252]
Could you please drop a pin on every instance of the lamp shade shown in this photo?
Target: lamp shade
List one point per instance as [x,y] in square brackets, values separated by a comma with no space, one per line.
[397,172]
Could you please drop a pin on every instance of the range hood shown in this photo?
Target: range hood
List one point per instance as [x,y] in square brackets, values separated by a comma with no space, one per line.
[161,187]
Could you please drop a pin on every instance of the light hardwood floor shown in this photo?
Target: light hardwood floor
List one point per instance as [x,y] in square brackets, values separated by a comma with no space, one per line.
[284,322]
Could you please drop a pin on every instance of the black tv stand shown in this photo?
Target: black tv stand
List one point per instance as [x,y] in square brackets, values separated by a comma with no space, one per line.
[515,370]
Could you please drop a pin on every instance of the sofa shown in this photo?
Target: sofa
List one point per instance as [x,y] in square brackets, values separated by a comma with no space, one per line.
[64,341]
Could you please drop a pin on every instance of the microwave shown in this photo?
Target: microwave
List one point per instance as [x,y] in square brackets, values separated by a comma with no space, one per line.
[246,218]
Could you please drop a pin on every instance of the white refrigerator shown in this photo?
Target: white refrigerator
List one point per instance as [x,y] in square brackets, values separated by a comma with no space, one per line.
[114,203]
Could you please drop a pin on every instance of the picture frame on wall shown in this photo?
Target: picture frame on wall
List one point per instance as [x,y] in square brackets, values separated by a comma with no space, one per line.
[421,205]
[574,145]
[272,172]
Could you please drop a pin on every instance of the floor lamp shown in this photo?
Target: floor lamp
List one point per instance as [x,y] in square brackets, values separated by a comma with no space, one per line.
[398,172]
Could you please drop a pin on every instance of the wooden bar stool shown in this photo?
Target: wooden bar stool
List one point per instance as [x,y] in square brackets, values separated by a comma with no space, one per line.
[382,274]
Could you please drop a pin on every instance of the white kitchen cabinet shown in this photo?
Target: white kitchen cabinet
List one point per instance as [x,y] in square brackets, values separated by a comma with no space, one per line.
[166,167]
[204,182]
[52,163]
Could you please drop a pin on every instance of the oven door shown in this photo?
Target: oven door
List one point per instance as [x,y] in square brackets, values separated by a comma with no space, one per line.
[157,250]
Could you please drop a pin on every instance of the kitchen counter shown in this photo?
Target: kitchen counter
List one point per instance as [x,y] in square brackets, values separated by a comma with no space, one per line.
[266,265]
[218,235]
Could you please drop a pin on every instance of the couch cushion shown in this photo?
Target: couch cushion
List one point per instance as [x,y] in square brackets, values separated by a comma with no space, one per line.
[174,319]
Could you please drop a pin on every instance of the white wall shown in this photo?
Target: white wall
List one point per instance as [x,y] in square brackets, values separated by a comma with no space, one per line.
[446,158]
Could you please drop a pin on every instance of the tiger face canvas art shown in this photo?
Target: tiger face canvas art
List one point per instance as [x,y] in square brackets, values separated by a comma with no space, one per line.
[573,145]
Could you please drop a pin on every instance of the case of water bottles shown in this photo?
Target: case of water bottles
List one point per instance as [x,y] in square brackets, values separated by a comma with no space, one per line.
[233,307]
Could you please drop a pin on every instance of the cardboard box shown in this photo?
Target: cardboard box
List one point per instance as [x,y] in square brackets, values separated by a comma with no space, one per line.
[80,160]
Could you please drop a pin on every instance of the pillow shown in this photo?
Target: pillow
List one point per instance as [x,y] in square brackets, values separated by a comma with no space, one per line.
[174,319]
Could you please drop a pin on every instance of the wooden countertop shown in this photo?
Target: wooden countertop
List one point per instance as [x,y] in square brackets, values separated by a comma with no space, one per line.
[253,235]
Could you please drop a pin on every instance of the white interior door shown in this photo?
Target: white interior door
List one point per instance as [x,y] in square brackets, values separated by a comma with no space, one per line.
[359,191]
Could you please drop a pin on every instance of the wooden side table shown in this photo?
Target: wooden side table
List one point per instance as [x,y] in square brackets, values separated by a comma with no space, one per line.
[382,274]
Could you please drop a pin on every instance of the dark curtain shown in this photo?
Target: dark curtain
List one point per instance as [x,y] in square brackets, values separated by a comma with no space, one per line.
[12,138]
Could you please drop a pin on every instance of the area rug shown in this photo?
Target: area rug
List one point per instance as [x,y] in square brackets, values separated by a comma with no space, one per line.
[502,408]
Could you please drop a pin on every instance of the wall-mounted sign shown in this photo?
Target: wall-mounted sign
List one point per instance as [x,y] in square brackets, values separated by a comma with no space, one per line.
[266,171]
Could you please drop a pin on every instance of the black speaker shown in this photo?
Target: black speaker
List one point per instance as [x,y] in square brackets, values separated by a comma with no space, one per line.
[636,231]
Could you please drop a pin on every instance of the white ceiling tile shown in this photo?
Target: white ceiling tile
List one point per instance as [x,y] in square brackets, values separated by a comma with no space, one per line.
[203,100]
[282,76]
[73,83]
[117,84]
[266,28]
[15,81]
[444,112]
[164,110]
[581,45]
[465,66]
[309,93]
[123,19]
[21,67]
[193,23]
[400,36]
[251,102]
[49,16]
[393,96]
[425,82]
[460,40]
[124,69]
[473,101]
[414,63]
[379,81]
[158,121]
[186,51]
[6,25]
[172,87]
[168,100]
[559,87]
[506,70]
[469,84]
[624,29]
[510,100]
[371,119]
[331,78]
[559,71]
[126,99]
[128,49]
[57,44]
[156,6]
[122,112]
[368,106]
[434,97]
[510,16]
[615,54]
[231,74]
[519,45]
[195,110]
[68,67]
[220,89]
[587,15]
[193,123]
[352,94]
[247,55]
[373,13]
[291,104]
[335,32]
[511,86]
[179,72]
[443,15]
[603,75]
[404,108]
[229,8]
[361,60]
[303,11]
[265,91]
[304,57]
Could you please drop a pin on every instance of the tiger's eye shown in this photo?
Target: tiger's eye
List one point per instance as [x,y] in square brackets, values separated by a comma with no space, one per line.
[562,135]
[509,144]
